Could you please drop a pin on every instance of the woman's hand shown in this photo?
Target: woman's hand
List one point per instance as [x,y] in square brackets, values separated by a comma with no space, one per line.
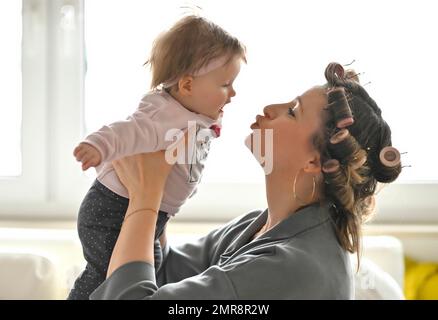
[143,173]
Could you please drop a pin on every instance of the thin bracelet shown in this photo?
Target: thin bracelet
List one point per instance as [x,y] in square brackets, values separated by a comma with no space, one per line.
[138,210]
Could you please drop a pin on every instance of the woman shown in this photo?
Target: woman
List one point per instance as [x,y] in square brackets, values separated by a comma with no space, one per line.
[330,148]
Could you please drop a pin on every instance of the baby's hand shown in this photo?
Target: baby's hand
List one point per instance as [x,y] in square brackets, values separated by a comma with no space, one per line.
[88,155]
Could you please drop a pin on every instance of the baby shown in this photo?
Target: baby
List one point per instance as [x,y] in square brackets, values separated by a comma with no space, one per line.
[194,65]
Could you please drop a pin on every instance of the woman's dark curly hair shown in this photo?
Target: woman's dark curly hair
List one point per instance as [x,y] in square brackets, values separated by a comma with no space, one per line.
[353,137]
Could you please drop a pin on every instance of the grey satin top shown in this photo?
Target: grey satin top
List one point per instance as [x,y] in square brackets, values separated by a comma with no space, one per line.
[300,258]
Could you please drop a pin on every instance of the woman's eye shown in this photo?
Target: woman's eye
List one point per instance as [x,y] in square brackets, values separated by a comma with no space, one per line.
[291,112]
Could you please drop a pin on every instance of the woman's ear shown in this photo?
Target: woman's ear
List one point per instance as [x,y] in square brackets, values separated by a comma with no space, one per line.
[185,85]
[314,164]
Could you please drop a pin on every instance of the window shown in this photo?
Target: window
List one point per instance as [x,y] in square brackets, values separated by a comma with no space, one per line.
[287,53]
[46,184]
[10,82]
[289,45]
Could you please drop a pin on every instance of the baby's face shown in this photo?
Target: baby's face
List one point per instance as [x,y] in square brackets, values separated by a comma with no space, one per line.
[212,91]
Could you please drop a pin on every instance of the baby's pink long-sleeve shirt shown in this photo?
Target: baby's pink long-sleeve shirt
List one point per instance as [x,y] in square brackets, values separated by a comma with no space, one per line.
[145,131]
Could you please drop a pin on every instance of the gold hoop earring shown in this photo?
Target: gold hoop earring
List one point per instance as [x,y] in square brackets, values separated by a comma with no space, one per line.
[295,185]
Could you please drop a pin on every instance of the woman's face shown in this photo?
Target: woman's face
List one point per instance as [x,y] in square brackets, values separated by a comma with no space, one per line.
[293,126]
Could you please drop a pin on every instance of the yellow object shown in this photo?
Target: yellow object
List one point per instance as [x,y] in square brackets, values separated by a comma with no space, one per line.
[421,280]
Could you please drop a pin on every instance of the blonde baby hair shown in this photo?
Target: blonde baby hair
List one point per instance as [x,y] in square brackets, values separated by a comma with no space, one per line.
[189,45]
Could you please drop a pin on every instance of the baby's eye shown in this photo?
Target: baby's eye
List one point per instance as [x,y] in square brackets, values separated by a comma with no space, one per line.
[291,112]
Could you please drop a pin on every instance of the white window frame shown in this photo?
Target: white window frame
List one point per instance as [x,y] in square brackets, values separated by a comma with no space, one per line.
[52,108]
[52,185]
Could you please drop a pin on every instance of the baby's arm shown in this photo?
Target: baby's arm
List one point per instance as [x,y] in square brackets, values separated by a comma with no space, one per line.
[136,134]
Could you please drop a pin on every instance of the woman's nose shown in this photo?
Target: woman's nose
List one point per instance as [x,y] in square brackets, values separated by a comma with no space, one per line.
[269,111]
[274,110]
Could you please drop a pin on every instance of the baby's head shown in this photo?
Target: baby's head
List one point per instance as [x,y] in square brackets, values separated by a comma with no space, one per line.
[197,62]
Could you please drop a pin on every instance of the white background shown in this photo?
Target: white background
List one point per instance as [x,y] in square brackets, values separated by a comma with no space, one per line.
[289,44]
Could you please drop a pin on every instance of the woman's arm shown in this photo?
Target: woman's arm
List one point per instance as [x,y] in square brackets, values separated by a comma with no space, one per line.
[260,274]
[142,174]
